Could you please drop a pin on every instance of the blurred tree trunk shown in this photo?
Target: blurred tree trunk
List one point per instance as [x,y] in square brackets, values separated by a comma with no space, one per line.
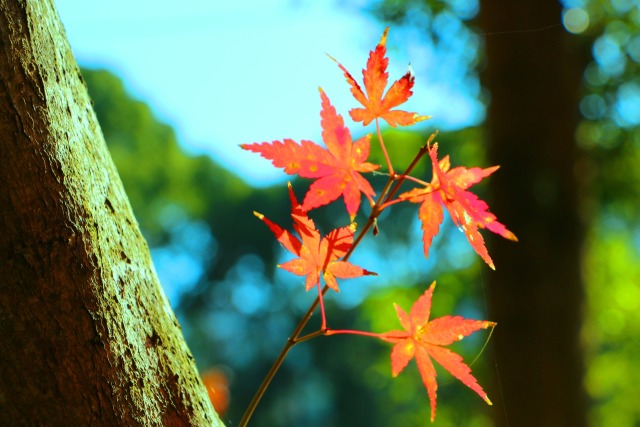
[536,292]
[87,336]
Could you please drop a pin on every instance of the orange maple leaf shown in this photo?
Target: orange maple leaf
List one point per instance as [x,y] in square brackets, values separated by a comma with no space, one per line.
[375,78]
[424,339]
[448,187]
[337,168]
[316,256]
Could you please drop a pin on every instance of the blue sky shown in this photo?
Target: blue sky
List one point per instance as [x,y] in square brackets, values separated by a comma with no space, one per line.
[224,73]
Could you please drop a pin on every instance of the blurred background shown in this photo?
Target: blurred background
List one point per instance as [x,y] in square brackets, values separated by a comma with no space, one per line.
[548,90]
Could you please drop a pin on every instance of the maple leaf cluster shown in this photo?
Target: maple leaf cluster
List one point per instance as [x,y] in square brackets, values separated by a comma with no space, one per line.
[338,168]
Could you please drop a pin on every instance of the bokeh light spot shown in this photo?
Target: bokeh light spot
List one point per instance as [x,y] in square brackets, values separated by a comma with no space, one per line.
[575,20]
[593,107]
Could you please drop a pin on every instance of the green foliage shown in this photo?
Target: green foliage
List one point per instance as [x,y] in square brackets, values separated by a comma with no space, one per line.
[610,136]
[610,130]
[613,324]
[167,187]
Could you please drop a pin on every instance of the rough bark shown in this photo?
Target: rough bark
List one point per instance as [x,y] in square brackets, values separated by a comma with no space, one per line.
[87,336]
[536,292]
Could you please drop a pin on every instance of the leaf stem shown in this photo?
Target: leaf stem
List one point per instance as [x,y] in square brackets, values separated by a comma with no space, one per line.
[384,149]
[351,332]
[321,300]
[416,180]
[492,326]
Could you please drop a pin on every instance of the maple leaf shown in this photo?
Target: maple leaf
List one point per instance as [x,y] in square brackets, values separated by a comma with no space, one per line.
[448,188]
[424,339]
[337,168]
[316,256]
[375,78]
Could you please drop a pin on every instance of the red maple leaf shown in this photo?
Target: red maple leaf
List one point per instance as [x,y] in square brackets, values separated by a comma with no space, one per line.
[424,339]
[375,78]
[316,256]
[337,168]
[448,187]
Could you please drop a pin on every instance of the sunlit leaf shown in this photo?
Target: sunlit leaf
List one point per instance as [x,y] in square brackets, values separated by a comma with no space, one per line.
[316,256]
[336,168]
[423,340]
[448,188]
[375,77]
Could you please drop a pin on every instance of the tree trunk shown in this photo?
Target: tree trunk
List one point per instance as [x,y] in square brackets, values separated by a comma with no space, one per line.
[536,293]
[87,336]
